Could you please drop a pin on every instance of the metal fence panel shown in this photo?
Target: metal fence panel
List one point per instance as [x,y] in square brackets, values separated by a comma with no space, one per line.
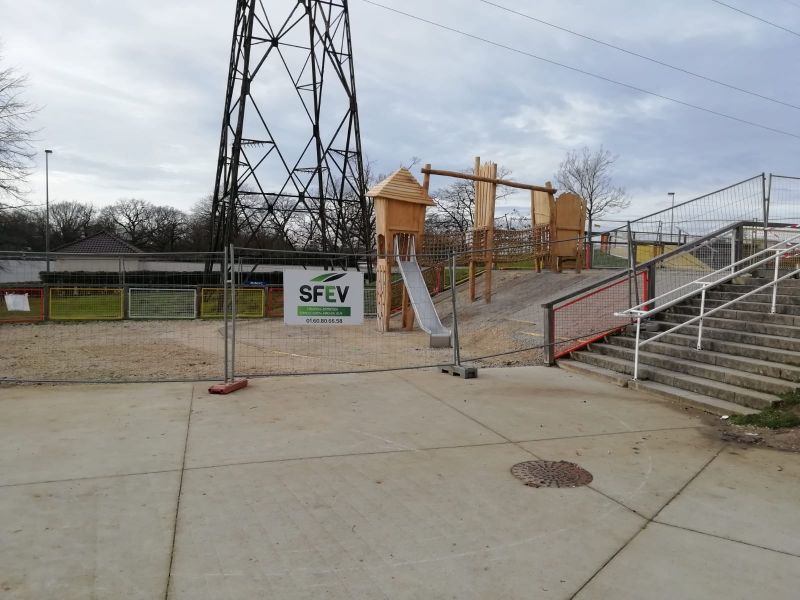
[162,303]
[85,304]
[27,307]
[109,318]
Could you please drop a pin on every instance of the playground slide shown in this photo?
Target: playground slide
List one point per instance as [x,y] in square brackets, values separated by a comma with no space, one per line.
[423,304]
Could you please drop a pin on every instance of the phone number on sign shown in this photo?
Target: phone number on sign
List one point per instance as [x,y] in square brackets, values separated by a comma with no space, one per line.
[324,321]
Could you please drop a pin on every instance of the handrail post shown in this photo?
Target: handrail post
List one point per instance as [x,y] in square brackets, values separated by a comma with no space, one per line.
[775,281]
[549,337]
[702,312]
[636,350]
[739,244]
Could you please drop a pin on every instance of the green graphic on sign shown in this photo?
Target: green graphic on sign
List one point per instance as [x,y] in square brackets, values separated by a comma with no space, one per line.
[323,311]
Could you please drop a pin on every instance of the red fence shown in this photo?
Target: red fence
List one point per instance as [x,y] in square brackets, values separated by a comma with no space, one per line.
[274,307]
[35,304]
[590,317]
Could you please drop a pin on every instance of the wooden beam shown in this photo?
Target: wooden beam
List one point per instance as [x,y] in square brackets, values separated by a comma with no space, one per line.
[505,182]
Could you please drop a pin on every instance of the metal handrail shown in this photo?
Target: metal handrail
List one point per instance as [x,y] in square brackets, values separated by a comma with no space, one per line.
[653,261]
[730,269]
[779,250]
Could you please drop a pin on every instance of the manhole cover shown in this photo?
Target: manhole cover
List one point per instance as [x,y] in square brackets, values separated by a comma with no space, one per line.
[550,473]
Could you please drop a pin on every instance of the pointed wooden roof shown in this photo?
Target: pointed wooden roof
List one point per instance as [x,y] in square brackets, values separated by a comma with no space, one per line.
[401,185]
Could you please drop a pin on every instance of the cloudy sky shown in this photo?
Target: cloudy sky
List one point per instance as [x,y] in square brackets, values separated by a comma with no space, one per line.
[131,91]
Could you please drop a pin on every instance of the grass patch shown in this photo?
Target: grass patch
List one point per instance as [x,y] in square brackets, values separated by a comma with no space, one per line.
[784,414]
[85,304]
[790,399]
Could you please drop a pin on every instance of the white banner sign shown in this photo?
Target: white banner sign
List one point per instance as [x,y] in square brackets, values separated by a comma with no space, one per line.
[323,298]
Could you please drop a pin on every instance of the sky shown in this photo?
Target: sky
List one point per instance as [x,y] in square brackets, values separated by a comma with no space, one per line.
[131,92]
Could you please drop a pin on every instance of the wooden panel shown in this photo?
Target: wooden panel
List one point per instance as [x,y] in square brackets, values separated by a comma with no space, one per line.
[542,208]
[569,228]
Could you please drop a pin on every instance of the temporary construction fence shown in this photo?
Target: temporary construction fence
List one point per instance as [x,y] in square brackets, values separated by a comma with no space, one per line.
[205,316]
[95,317]
[200,316]
[656,234]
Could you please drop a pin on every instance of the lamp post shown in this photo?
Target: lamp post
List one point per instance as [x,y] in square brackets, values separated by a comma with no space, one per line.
[672,217]
[47,154]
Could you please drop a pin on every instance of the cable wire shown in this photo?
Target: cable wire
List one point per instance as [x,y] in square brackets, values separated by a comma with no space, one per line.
[642,56]
[752,16]
[584,72]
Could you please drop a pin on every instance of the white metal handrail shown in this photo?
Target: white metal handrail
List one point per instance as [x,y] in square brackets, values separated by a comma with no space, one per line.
[640,312]
[730,272]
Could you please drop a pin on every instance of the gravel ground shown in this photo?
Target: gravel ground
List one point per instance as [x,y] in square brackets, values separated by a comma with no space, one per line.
[174,350]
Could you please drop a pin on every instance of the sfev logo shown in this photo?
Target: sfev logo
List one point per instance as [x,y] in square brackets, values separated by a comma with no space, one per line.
[326,293]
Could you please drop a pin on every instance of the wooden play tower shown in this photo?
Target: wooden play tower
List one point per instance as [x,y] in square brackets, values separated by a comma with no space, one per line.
[400,204]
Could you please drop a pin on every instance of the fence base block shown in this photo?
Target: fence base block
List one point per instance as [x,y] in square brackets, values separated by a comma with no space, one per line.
[459,371]
[227,388]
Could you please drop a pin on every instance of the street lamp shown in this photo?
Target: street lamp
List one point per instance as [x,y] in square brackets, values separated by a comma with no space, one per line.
[47,154]
[672,216]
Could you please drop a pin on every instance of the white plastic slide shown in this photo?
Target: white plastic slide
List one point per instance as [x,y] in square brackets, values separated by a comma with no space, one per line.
[423,304]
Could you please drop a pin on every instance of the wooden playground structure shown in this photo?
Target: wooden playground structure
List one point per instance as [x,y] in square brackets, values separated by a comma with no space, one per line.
[556,234]
[555,237]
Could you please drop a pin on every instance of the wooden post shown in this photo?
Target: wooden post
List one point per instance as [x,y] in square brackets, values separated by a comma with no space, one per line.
[383,293]
[407,313]
[476,239]
[471,279]
[490,201]
[426,179]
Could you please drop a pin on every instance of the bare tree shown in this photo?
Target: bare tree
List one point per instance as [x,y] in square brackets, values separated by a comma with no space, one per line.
[132,219]
[16,151]
[167,229]
[69,221]
[588,173]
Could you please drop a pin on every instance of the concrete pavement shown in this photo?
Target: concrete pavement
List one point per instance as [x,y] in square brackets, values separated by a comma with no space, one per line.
[390,485]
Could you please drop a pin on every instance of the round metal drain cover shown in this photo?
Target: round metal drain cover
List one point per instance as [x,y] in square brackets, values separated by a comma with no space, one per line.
[550,473]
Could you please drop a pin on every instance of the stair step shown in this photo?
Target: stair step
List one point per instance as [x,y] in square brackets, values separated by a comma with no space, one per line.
[740,315]
[574,366]
[761,353]
[775,342]
[746,305]
[784,287]
[791,282]
[782,298]
[708,404]
[756,366]
[689,366]
[698,385]
[677,316]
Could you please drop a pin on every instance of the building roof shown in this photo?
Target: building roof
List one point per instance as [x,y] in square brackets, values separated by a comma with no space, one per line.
[401,185]
[102,242]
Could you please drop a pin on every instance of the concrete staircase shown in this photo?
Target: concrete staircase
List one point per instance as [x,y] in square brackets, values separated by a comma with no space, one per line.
[749,355]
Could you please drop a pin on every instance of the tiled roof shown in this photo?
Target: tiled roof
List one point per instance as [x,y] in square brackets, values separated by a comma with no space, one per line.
[99,243]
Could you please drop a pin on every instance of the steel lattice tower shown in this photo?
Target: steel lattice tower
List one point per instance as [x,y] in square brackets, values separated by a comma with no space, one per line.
[290,171]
